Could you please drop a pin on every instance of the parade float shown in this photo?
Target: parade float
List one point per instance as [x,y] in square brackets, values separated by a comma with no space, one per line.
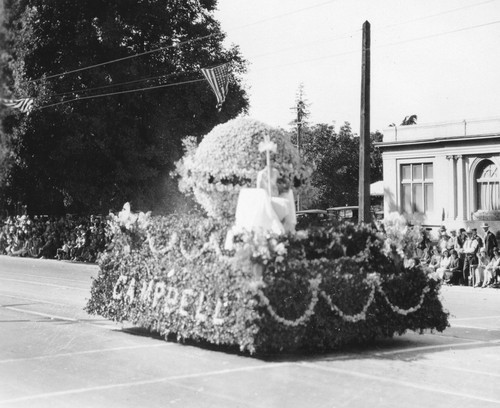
[207,276]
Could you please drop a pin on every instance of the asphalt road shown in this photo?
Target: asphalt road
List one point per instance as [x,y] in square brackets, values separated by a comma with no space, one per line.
[52,354]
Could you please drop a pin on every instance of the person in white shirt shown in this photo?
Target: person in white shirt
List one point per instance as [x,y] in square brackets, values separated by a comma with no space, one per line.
[470,259]
[482,263]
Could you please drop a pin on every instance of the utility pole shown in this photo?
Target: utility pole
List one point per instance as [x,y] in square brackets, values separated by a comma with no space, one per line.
[300,113]
[364,139]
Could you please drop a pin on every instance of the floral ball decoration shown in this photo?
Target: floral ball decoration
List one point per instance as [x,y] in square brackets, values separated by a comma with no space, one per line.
[228,158]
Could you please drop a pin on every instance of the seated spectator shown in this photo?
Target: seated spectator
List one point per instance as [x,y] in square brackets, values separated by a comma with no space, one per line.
[444,266]
[455,269]
[492,270]
[19,247]
[37,236]
[435,259]
[481,267]
[425,257]
[49,249]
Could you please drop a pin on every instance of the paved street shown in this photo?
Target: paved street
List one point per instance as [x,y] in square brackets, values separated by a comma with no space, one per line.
[52,354]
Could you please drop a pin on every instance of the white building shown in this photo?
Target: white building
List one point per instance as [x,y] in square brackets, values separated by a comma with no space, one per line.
[444,173]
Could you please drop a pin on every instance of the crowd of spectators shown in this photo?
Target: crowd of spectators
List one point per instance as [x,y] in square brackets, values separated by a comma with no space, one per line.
[463,257]
[69,237]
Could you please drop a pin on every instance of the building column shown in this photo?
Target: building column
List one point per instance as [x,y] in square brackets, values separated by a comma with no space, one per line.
[452,189]
[461,192]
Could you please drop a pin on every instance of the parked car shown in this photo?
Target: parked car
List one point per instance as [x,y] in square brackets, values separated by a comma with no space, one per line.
[306,218]
[346,213]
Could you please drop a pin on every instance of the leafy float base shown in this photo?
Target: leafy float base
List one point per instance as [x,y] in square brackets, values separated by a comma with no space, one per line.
[314,290]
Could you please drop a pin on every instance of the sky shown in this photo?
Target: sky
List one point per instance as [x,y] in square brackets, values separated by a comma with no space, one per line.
[438,59]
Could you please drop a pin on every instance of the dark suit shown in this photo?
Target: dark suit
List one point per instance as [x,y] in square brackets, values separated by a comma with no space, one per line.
[490,242]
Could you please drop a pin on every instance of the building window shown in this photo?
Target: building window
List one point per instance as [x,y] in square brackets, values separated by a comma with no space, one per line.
[488,187]
[417,188]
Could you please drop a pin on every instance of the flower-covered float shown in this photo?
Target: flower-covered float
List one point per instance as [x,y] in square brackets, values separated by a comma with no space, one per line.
[314,289]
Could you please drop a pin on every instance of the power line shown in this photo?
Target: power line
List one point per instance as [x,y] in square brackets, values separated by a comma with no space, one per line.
[385,45]
[123,58]
[434,15]
[121,83]
[179,44]
[346,35]
[120,92]
[286,14]
[293,63]
[438,34]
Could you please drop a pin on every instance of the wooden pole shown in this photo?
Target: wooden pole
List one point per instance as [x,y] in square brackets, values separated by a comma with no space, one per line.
[299,136]
[364,138]
[268,160]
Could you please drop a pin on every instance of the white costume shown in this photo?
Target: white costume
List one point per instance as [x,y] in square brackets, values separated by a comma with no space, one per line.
[257,211]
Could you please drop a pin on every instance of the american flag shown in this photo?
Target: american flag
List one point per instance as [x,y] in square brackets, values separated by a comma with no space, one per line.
[24,104]
[218,79]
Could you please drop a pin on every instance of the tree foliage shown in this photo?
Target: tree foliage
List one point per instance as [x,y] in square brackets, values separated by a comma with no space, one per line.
[335,157]
[92,155]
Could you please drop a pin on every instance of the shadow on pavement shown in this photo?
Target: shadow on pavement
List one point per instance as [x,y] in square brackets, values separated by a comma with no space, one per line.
[408,347]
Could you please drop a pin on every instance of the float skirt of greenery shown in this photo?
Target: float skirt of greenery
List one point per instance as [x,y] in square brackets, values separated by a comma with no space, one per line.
[314,290]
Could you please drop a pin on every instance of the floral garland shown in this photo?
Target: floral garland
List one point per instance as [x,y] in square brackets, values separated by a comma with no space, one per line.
[404,312]
[314,285]
[351,318]
[372,281]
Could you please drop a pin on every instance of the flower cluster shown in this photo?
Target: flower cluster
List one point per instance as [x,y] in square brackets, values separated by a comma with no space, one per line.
[260,247]
[133,222]
[229,158]
[401,238]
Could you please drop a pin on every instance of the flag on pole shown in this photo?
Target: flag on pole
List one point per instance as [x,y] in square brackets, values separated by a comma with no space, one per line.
[218,79]
[24,104]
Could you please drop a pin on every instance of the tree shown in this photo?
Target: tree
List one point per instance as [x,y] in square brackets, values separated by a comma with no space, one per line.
[335,157]
[92,155]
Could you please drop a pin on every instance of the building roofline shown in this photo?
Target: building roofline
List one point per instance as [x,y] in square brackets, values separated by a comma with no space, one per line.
[439,140]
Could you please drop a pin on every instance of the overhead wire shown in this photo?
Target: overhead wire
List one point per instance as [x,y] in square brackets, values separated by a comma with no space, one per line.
[342,36]
[120,92]
[384,45]
[438,34]
[293,63]
[120,84]
[434,15]
[279,66]
[179,44]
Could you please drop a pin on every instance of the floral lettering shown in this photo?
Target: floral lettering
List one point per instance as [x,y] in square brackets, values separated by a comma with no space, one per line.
[184,301]
[172,296]
[130,295]
[200,317]
[159,293]
[119,287]
[216,319]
